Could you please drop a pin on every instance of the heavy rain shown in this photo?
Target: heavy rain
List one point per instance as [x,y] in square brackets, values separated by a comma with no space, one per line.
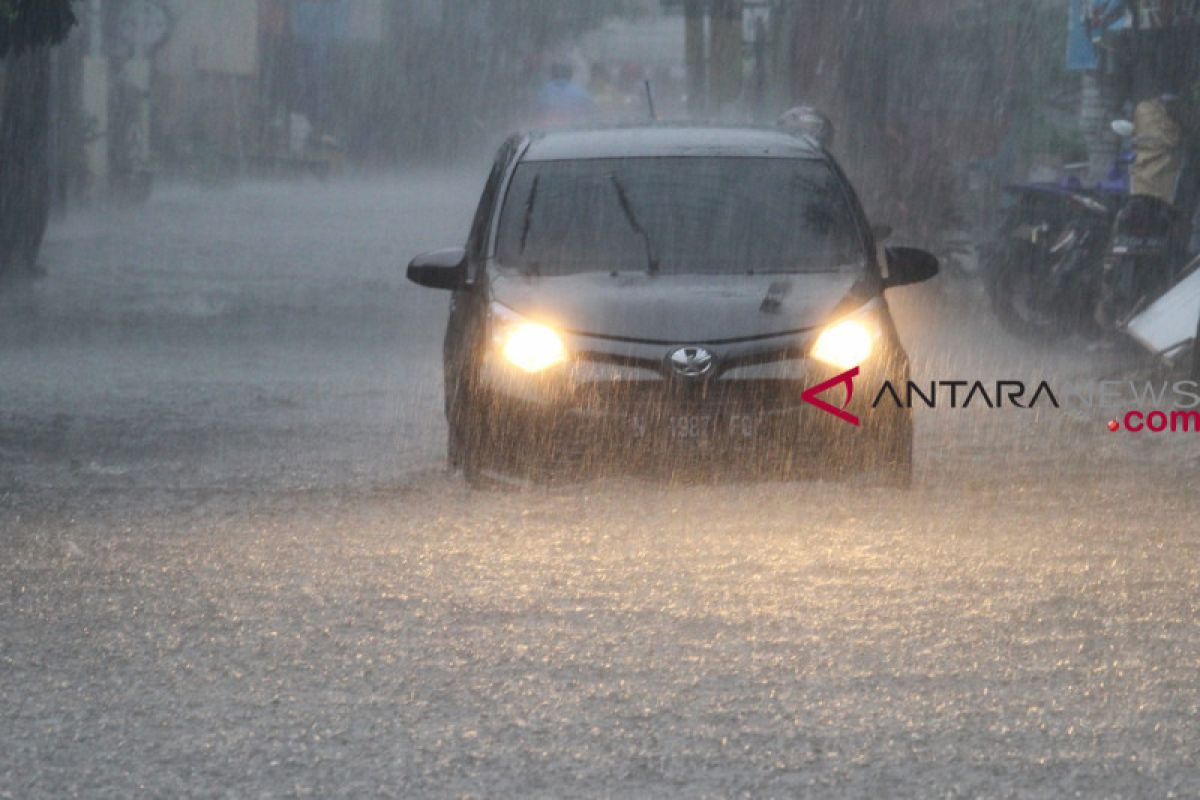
[555,398]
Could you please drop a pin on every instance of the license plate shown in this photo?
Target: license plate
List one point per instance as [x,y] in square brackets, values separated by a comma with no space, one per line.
[696,427]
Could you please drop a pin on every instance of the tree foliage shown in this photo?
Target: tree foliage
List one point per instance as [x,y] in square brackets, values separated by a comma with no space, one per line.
[33,23]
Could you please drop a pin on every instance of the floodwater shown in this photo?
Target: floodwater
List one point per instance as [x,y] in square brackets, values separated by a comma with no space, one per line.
[232,561]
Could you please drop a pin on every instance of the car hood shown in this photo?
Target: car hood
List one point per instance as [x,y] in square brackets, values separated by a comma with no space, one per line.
[677,308]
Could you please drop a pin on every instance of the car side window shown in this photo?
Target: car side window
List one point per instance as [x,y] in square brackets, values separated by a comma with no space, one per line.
[477,240]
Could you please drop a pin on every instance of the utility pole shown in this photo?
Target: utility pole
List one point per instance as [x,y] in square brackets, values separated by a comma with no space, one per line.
[760,70]
[726,51]
[695,58]
[94,99]
[864,75]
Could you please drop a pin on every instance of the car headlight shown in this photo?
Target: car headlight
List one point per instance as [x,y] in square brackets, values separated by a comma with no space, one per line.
[845,344]
[527,345]
[532,347]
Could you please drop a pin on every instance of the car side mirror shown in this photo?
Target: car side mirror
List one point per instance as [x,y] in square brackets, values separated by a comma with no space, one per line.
[909,265]
[440,269]
[881,233]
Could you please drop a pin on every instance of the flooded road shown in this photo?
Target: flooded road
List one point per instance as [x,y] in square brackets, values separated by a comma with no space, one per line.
[232,563]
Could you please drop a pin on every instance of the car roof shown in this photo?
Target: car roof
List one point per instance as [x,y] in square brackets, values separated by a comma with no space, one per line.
[663,140]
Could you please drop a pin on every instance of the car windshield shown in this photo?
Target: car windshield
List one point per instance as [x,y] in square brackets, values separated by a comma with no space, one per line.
[677,215]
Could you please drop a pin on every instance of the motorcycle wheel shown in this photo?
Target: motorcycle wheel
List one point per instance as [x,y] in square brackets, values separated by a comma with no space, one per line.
[1014,296]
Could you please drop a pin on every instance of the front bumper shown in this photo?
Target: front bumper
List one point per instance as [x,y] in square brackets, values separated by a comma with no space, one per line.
[598,418]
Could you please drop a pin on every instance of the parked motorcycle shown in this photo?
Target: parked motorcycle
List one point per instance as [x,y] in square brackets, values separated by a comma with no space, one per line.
[1148,246]
[1070,260]
[1043,266]
[1139,263]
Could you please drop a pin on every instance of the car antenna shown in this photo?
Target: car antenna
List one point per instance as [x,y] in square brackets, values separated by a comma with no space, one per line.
[650,100]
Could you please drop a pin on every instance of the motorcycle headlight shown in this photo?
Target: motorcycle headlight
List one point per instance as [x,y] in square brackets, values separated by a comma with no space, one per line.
[529,346]
[845,344]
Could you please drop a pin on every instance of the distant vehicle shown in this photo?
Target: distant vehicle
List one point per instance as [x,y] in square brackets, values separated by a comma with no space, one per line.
[671,298]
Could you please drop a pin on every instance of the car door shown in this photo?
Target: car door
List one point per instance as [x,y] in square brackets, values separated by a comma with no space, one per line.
[465,327]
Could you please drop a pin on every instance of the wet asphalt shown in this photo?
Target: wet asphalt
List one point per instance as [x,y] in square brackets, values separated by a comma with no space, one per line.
[232,563]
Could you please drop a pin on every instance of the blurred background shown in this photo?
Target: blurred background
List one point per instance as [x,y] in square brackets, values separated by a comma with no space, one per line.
[962,93]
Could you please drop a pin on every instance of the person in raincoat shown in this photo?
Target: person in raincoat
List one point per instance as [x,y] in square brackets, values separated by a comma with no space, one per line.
[1162,80]
[562,103]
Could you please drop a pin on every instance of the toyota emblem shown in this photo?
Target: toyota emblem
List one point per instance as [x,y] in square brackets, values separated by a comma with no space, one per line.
[691,362]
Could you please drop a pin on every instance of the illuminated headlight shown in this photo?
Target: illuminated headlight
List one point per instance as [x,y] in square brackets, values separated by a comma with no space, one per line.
[845,344]
[532,347]
[529,346]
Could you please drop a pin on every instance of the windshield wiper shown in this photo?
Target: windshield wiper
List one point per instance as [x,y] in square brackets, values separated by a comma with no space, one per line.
[623,199]
[531,268]
[528,219]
